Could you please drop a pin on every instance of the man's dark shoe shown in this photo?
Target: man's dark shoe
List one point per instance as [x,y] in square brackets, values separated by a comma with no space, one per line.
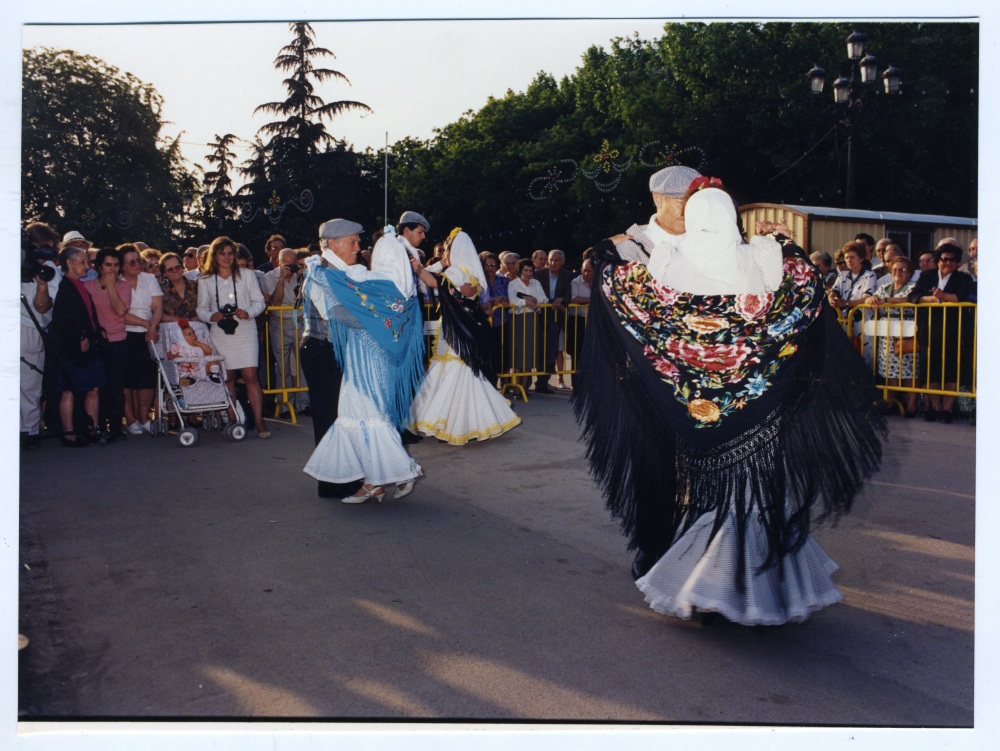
[409,437]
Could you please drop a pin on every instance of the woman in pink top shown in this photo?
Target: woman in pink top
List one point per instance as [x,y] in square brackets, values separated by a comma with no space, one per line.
[112,296]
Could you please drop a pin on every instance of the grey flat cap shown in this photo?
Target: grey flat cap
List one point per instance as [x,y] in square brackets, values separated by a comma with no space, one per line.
[412,217]
[672,181]
[337,228]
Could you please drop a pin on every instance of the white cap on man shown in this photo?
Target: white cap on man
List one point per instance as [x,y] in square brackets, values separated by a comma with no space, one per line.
[673,182]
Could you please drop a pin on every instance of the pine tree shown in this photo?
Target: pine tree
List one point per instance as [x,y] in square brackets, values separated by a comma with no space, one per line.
[218,197]
[301,135]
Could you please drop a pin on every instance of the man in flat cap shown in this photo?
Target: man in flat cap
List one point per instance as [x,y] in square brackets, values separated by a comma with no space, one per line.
[339,240]
[411,230]
[653,243]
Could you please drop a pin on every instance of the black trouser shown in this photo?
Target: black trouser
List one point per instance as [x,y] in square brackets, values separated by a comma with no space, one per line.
[323,376]
[548,342]
[112,409]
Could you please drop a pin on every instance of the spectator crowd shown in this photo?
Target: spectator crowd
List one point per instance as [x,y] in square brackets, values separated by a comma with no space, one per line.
[89,316]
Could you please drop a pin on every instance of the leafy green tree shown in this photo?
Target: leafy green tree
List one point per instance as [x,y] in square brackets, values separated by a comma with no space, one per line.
[729,98]
[93,158]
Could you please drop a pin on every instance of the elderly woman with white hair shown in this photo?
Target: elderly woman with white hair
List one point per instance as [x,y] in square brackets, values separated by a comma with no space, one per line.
[377,336]
[712,380]
[458,401]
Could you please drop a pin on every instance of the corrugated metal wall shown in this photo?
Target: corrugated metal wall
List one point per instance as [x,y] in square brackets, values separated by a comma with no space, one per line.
[815,233]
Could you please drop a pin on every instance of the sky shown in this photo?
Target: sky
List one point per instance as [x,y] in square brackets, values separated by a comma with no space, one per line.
[417,71]
[416,76]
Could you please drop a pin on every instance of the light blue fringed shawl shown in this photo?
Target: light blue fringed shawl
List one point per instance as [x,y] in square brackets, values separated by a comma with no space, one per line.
[391,320]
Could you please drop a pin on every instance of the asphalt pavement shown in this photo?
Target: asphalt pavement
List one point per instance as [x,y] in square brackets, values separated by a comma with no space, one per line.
[211,583]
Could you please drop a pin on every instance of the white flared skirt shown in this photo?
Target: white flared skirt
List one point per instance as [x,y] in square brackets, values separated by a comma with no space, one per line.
[457,406]
[362,444]
[690,576]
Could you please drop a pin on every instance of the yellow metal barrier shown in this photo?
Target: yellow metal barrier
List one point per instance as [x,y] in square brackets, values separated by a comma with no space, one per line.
[925,348]
[524,341]
[282,339]
[938,342]
[527,338]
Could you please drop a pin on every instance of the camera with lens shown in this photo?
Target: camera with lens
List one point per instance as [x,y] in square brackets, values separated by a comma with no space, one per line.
[228,323]
[33,261]
[292,267]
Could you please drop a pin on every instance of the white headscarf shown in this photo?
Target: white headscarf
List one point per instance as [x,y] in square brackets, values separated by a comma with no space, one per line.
[712,258]
[465,265]
[390,260]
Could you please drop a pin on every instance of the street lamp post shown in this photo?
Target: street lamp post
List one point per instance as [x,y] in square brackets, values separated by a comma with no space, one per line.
[852,96]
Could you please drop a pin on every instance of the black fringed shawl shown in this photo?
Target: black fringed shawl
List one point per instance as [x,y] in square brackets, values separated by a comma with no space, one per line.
[469,331]
[752,404]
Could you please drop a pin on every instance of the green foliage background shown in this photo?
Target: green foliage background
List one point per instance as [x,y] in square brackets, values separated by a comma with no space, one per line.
[734,94]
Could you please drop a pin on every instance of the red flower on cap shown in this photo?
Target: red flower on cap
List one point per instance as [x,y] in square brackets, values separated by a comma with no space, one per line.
[183,323]
[704,182]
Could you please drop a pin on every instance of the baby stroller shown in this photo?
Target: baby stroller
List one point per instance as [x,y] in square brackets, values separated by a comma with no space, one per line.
[190,384]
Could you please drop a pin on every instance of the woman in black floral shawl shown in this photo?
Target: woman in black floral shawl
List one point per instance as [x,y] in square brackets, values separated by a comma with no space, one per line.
[725,412]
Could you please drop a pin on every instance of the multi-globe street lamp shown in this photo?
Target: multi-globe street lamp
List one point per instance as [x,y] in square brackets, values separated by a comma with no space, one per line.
[853,96]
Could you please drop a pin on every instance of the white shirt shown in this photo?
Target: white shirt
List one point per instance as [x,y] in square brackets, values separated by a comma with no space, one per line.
[316,296]
[146,288]
[664,249]
[534,289]
[578,288]
[269,283]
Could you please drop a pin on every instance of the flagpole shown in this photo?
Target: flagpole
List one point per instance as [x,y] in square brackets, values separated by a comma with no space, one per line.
[386,206]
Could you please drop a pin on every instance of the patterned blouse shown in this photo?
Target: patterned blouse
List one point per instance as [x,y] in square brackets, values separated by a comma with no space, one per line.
[174,305]
[499,289]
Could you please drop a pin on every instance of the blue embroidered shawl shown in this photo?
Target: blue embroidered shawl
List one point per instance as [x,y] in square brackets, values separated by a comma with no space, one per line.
[391,320]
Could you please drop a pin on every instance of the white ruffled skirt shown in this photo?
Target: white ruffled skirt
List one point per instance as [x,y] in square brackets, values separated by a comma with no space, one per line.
[455,405]
[690,577]
[362,444]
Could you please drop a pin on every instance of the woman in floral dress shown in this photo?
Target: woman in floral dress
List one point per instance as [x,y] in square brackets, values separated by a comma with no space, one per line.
[721,402]
[893,366]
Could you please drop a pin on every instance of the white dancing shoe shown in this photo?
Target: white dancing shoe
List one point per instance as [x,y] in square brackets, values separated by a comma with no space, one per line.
[404,490]
[366,495]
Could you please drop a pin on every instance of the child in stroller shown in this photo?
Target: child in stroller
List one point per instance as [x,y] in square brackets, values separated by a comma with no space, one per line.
[192,384]
[189,372]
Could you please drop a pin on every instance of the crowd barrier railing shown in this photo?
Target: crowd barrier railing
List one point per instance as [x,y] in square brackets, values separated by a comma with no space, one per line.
[282,374]
[527,343]
[923,348]
[937,340]
[530,343]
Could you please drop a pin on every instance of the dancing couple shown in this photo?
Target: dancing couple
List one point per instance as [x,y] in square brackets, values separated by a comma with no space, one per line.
[363,356]
[724,408]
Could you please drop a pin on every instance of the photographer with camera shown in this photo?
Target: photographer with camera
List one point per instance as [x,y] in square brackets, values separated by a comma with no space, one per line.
[39,281]
[282,286]
[229,301]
